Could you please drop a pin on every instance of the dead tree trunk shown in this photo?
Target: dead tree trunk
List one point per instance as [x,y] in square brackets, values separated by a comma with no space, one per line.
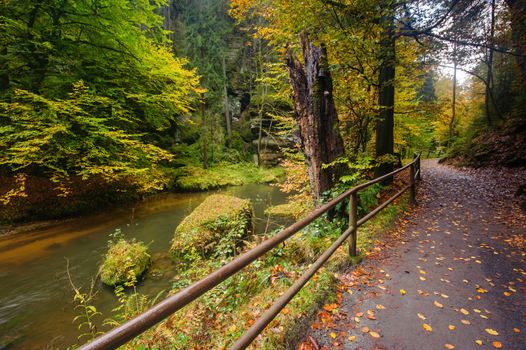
[315,114]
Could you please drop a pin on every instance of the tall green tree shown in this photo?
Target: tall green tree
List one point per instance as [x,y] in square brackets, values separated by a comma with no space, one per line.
[89,89]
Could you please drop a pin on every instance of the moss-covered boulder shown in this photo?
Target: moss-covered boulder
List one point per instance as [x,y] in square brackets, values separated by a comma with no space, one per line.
[215,227]
[124,263]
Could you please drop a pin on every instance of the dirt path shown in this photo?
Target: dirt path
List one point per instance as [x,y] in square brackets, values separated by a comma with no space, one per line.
[454,279]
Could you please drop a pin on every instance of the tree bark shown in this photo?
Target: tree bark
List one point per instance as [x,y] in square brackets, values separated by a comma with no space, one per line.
[385,124]
[489,79]
[227,109]
[453,105]
[518,35]
[316,115]
[204,135]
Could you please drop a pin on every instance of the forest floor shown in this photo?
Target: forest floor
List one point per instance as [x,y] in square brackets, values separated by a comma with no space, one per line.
[452,277]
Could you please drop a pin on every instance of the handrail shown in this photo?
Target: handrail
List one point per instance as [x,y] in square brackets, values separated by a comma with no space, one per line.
[142,322]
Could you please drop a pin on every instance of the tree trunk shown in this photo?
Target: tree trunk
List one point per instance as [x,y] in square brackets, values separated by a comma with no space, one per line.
[518,35]
[227,109]
[385,124]
[453,105]
[489,78]
[204,135]
[316,115]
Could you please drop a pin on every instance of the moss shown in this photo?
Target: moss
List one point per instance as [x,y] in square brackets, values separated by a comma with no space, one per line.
[194,178]
[288,210]
[216,223]
[124,263]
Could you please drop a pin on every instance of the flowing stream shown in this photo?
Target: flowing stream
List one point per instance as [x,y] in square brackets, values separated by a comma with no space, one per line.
[36,299]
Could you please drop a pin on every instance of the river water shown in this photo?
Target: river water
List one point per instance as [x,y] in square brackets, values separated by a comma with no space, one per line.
[36,299]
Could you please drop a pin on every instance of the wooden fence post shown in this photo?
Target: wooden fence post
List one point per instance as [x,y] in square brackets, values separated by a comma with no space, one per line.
[353,222]
[419,171]
[412,182]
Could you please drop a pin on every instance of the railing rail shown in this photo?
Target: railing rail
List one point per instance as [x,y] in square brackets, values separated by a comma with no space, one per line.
[142,322]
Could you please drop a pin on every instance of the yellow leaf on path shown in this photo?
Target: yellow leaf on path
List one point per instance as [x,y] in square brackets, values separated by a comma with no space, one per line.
[402,291]
[420,316]
[437,304]
[491,331]
[365,329]
[464,311]
[380,307]
[507,294]
[333,335]
[516,330]
[427,327]
[478,341]
[451,327]
[449,346]
[465,322]
[422,278]
[374,334]
[497,344]
[352,338]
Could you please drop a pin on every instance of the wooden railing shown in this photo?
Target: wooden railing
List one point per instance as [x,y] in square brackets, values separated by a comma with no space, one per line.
[134,327]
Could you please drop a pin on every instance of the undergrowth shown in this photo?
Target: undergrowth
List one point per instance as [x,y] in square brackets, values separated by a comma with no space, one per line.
[218,318]
[195,178]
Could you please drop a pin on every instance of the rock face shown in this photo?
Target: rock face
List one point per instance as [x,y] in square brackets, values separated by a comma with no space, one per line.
[214,227]
[124,263]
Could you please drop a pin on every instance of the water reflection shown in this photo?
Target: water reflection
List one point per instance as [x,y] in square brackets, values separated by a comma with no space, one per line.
[36,308]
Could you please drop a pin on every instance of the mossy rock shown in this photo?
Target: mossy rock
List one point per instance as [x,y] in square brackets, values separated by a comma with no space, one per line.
[124,263]
[214,226]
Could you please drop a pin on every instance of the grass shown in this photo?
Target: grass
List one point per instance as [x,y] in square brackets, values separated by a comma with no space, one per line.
[218,318]
[194,178]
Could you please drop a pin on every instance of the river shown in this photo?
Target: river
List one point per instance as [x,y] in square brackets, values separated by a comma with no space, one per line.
[36,299]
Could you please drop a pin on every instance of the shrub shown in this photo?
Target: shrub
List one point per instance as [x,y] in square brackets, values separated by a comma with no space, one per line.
[124,262]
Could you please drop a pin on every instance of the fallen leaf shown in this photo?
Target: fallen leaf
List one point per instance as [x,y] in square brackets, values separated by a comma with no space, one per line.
[464,311]
[427,327]
[449,346]
[478,342]
[497,344]
[365,329]
[330,307]
[402,291]
[420,316]
[491,331]
[333,335]
[507,294]
[374,334]
[380,307]
[451,327]
[352,338]
[516,330]
[465,322]
[437,304]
